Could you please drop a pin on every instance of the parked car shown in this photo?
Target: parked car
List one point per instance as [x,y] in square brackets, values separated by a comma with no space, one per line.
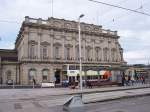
[9,82]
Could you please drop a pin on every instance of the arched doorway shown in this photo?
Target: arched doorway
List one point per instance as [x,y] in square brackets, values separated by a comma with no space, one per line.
[32,76]
[57,77]
[8,75]
[9,80]
[45,73]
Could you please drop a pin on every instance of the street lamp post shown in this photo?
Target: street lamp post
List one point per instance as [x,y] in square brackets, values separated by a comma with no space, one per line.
[80,56]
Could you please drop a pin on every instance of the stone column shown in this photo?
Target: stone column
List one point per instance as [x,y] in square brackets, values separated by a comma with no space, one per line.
[74,49]
[51,45]
[84,45]
[39,75]
[102,54]
[52,75]
[26,42]
[24,76]
[39,48]
[110,58]
[74,46]
[93,50]
[63,47]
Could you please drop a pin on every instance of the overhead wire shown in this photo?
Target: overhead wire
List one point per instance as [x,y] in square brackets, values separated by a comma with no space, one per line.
[141,7]
[102,14]
[120,7]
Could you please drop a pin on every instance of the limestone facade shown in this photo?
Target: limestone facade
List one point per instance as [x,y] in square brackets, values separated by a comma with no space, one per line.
[45,47]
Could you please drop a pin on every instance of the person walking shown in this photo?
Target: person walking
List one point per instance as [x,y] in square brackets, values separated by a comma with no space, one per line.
[132,80]
[143,79]
[123,79]
[34,82]
[129,80]
[126,80]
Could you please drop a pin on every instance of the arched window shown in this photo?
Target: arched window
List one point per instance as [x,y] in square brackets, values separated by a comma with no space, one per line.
[88,52]
[67,53]
[56,52]
[98,53]
[45,52]
[32,74]
[8,73]
[32,51]
[45,74]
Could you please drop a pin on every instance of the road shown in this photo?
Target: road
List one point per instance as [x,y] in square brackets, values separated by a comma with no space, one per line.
[40,100]
[139,104]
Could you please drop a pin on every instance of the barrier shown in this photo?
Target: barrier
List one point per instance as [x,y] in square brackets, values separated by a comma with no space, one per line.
[50,84]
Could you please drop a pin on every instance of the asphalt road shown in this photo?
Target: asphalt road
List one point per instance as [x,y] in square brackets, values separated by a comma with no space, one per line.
[138,104]
[36,101]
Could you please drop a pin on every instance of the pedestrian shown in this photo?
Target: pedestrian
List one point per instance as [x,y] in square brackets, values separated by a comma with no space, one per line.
[143,79]
[89,84]
[132,80]
[126,80]
[129,80]
[34,82]
[123,79]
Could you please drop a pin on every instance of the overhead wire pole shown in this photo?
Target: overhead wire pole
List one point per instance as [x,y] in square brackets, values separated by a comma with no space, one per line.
[52,8]
[117,6]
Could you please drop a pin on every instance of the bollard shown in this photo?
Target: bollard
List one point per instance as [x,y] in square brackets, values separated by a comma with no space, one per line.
[74,104]
[33,85]
[13,85]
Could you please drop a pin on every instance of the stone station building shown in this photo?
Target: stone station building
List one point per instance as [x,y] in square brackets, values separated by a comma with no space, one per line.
[44,48]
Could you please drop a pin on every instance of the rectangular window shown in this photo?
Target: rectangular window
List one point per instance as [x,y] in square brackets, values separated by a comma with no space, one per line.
[96,53]
[32,51]
[56,52]
[45,52]
[88,54]
[67,53]
[113,55]
[105,55]
[77,53]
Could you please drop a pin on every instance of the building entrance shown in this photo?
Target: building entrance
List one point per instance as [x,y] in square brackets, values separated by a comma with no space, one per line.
[57,77]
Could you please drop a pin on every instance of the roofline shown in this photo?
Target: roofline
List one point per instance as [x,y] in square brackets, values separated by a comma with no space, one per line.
[8,50]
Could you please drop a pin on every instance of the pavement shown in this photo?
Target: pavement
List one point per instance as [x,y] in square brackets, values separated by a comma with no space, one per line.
[42,99]
[42,92]
[33,92]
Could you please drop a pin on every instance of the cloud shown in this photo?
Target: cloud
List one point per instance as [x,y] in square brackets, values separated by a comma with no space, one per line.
[137,56]
[133,28]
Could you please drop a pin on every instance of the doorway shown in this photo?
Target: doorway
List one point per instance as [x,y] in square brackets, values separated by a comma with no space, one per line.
[57,77]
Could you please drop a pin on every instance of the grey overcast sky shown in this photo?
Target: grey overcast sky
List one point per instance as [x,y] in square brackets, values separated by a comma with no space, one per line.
[133,28]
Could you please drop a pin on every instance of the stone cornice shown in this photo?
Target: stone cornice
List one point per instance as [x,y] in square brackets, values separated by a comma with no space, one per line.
[61,29]
[63,26]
